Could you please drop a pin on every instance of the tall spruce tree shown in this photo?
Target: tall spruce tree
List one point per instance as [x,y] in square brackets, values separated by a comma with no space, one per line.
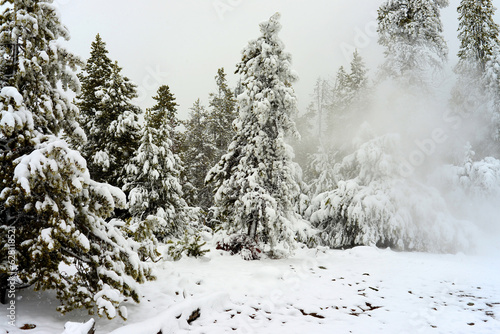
[46,195]
[98,70]
[493,86]
[222,114]
[321,95]
[199,156]
[477,33]
[476,91]
[155,194]
[349,96]
[254,181]
[411,33]
[165,103]
[108,117]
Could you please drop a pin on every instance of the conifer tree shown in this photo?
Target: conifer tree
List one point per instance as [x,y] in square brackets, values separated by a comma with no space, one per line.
[358,78]
[198,156]
[477,33]
[411,33]
[476,91]
[165,103]
[340,99]
[222,114]
[321,95]
[155,198]
[46,193]
[254,181]
[493,86]
[348,100]
[350,95]
[110,120]
[308,141]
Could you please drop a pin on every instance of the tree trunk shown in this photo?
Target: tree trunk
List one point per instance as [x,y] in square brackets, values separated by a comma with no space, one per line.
[252,227]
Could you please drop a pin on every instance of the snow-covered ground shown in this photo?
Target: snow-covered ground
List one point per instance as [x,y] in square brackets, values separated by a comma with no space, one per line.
[362,290]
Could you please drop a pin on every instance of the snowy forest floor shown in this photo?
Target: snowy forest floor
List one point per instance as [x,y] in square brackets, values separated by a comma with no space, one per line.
[362,290]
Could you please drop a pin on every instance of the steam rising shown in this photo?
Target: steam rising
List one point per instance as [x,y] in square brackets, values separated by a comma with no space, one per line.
[430,155]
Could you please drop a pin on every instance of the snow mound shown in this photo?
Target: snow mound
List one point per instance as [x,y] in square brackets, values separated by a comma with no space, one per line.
[79,328]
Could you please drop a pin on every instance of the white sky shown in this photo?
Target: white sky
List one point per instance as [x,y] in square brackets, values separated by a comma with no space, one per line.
[182,43]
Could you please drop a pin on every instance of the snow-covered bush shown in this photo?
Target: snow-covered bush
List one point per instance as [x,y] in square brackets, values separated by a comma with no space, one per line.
[374,205]
[190,245]
[472,190]
[240,244]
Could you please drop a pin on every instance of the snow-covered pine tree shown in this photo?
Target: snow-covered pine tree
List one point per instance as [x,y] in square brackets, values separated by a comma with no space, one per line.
[320,98]
[94,79]
[358,78]
[108,116]
[222,114]
[308,141]
[198,156]
[477,181]
[207,136]
[155,193]
[348,100]
[321,171]
[254,181]
[493,87]
[476,91]
[478,35]
[411,33]
[165,103]
[349,97]
[46,194]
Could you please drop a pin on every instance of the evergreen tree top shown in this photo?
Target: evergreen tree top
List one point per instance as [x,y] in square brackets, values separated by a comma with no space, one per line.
[165,99]
[166,107]
[220,78]
[99,62]
[271,27]
[265,64]
[223,92]
[358,76]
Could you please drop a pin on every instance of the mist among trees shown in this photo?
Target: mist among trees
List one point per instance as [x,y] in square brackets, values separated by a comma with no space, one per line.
[393,156]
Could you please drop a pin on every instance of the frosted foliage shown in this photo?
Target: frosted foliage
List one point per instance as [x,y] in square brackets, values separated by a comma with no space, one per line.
[108,117]
[53,182]
[254,181]
[155,198]
[477,179]
[472,191]
[411,32]
[482,178]
[492,78]
[46,192]
[478,87]
[373,205]
[42,66]
[13,114]
[322,165]
[478,35]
